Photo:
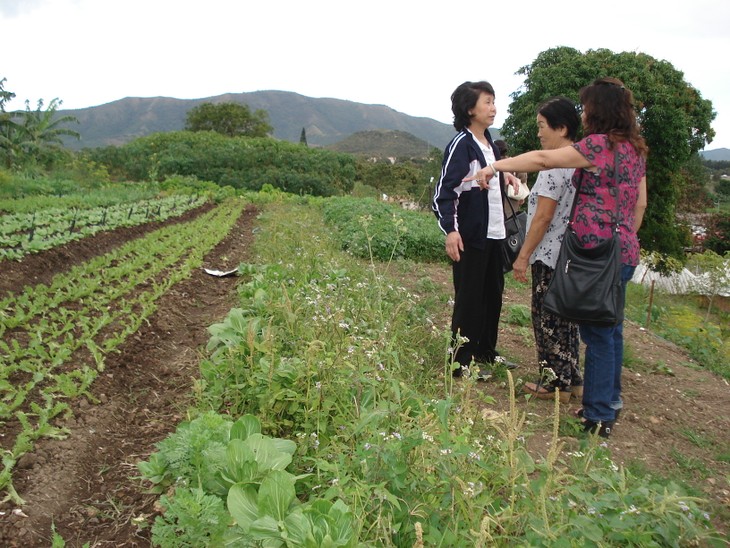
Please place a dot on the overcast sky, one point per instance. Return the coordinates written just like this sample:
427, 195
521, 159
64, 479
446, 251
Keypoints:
406, 54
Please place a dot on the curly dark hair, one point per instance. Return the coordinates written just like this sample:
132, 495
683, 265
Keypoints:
609, 108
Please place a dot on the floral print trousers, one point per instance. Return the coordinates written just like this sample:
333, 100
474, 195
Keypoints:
557, 340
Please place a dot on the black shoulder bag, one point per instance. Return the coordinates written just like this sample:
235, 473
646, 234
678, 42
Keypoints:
586, 285
516, 227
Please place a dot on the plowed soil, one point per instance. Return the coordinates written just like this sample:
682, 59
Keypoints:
83, 484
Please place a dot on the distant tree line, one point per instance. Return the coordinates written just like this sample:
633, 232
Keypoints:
240, 162
719, 172
230, 119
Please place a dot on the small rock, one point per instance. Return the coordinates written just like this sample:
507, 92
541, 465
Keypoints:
27, 461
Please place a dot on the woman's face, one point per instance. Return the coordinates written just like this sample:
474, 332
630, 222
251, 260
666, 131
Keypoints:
549, 138
484, 111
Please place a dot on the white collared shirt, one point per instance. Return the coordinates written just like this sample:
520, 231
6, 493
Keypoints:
495, 229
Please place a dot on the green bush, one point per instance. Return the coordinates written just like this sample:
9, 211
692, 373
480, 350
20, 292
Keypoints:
371, 228
239, 162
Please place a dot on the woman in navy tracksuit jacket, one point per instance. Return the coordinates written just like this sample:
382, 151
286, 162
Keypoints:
473, 221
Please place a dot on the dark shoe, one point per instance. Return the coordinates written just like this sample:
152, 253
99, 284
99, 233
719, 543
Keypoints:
542, 392
579, 414
603, 428
483, 374
500, 360
460, 371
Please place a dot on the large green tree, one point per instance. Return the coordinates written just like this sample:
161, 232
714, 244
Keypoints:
230, 119
675, 121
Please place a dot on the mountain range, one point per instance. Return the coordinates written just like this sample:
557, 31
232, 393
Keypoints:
327, 122
716, 155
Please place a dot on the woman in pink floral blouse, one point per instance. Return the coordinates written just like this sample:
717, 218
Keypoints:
609, 123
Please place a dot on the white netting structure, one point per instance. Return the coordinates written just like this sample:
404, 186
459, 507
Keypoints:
684, 282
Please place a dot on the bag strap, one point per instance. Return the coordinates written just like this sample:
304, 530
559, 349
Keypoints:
514, 214
509, 201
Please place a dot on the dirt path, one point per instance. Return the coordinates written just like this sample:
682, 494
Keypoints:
82, 484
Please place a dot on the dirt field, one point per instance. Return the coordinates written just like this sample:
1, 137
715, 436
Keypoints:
82, 484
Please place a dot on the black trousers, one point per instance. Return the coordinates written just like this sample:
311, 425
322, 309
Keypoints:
478, 288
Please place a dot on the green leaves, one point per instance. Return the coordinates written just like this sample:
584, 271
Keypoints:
275, 517
260, 497
26, 232
370, 228
276, 494
230, 119
192, 518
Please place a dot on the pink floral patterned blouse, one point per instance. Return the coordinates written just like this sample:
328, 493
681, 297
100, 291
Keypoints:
595, 208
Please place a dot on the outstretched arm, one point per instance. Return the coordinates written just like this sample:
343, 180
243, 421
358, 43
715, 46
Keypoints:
536, 160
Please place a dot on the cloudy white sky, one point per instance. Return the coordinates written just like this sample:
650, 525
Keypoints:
406, 54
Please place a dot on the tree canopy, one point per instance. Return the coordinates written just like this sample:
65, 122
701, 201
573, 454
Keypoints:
675, 121
230, 119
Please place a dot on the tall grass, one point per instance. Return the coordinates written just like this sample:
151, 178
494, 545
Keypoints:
332, 353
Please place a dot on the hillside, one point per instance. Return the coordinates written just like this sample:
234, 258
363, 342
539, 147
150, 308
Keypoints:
373, 143
326, 121
717, 155
381, 143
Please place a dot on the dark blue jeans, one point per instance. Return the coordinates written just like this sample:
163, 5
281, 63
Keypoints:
603, 364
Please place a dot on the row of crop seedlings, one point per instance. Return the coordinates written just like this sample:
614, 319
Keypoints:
91, 309
24, 233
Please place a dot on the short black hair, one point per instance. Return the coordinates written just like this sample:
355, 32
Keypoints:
464, 99
561, 112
